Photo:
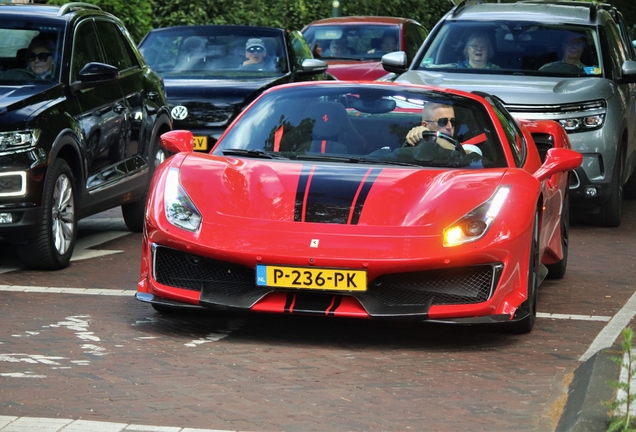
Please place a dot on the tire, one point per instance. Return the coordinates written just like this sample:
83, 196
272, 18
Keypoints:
529, 307
557, 270
629, 190
610, 212
134, 212
53, 246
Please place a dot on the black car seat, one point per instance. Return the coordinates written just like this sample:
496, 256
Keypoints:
332, 130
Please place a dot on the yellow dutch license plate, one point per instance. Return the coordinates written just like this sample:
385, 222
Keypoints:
311, 278
200, 143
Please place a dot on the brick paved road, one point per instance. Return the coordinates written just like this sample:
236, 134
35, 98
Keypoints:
111, 358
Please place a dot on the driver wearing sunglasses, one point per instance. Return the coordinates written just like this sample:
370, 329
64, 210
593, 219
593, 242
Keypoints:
255, 52
437, 118
40, 57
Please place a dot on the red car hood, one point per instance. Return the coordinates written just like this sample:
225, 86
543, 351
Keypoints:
346, 70
344, 194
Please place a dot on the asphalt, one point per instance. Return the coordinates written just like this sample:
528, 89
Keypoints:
584, 410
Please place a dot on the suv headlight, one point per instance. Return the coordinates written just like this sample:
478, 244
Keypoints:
180, 210
582, 121
18, 140
475, 223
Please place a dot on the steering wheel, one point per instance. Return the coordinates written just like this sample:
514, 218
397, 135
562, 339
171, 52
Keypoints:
19, 73
432, 136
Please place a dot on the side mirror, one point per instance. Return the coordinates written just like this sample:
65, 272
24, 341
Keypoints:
94, 73
177, 141
395, 62
313, 67
558, 160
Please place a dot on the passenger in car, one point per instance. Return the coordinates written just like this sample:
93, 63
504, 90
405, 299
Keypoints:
339, 48
40, 57
573, 45
477, 51
387, 45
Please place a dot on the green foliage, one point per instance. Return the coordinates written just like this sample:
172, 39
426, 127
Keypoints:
289, 14
622, 421
135, 14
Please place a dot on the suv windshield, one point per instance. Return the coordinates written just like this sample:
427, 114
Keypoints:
29, 52
518, 47
207, 52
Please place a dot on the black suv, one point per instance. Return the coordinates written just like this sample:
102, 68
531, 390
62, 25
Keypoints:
80, 119
530, 47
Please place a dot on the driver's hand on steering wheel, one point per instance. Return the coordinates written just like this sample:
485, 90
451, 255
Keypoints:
415, 135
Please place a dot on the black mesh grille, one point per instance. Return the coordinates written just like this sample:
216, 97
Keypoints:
544, 143
10, 184
193, 272
463, 285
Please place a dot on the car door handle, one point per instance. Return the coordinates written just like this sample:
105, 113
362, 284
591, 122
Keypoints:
153, 95
119, 108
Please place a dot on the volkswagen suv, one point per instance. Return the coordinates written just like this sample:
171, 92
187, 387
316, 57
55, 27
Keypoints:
593, 100
80, 119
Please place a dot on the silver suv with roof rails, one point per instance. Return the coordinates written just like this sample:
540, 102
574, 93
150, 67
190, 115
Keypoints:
593, 100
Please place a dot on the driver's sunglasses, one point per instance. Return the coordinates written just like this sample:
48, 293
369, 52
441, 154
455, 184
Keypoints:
443, 121
255, 50
43, 56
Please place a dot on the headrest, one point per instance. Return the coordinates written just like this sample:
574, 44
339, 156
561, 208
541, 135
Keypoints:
330, 118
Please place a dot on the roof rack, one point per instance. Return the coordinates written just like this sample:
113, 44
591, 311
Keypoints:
73, 6
464, 3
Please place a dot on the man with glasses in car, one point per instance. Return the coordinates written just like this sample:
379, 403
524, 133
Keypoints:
438, 118
40, 55
255, 54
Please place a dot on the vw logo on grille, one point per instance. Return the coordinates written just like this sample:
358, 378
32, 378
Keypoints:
179, 112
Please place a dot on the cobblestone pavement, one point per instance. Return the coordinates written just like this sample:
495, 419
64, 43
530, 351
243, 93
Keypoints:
76, 347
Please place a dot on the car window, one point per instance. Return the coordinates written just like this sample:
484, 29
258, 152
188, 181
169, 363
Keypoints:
414, 41
617, 54
363, 41
19, 42
514, 137
115, 46
300, 47
85, 48
530, 48
206, 52
344, 125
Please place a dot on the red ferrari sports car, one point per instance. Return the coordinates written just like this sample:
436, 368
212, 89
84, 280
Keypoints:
314, 202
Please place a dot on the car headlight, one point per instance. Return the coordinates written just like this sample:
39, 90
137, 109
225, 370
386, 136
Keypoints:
475, 223
180, 210
581, 124
585, 117
18, 140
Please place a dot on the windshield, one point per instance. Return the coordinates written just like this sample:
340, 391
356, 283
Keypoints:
29, 53
518, 47
365, 124
207, 52
359, 42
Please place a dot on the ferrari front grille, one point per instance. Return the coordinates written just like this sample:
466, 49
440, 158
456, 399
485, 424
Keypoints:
193, 272
460, 285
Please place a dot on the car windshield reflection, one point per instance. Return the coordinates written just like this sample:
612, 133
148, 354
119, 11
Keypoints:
519, 48
349, 124
204, 52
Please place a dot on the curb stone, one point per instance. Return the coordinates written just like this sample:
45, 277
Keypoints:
584, 410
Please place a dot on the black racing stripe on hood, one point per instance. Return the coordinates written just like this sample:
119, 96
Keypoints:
332, 194
364, 192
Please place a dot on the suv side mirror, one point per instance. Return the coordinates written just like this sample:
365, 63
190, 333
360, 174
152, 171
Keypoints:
94, 73
395, 62
313, 67
629, 72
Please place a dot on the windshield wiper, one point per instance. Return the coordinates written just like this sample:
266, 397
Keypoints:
255, 153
